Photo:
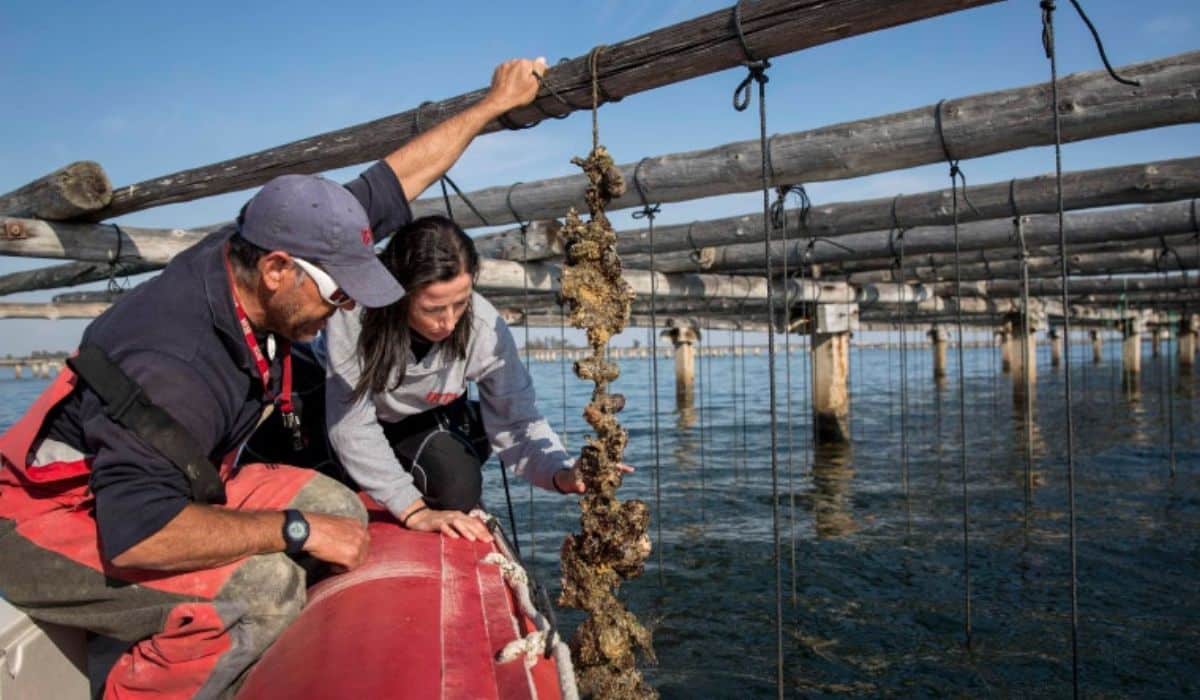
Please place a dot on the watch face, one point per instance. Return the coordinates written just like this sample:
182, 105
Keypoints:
297, 530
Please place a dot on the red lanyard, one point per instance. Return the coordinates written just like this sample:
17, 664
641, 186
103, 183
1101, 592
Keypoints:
290, 420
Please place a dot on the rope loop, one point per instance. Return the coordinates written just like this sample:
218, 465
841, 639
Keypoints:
417, 119
516, 217
956, 174
648, 211
779, 206
461, 195
756, 67
116, 266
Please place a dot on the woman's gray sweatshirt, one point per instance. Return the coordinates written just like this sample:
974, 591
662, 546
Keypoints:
519, 433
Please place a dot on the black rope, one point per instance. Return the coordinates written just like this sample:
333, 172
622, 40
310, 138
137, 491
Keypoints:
117, 266
524, 226
757, 73
903, 313
1047, 7
956, 172
1048, 40
648, 212
562, 365
1027, 404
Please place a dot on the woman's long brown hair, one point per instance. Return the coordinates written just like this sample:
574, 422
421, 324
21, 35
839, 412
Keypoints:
428, 250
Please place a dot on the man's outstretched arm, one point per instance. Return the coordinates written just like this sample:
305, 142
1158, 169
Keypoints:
429, 155
204, 537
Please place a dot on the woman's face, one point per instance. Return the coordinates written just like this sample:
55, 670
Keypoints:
434, 310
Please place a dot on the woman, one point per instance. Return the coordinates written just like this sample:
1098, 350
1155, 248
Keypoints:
398, 416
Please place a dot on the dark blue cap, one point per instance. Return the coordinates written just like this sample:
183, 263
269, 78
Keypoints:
309, 217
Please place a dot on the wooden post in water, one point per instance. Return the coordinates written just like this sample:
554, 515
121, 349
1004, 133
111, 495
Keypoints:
1024, 347
831, 370
938, 339
1097, 348
684, 335
1004, 337
1156, 342
1188, 326
1056, 346
1131, 347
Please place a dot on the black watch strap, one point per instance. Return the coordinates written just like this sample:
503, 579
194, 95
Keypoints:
295, 531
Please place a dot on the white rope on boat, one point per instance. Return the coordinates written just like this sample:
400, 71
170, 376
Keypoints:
533, 644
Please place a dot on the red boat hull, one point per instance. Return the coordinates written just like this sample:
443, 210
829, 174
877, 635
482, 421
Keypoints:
424, 617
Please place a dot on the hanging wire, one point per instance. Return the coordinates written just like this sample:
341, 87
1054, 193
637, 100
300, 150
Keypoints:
757, 72
562, 366
524, 227
957, 174
779, 221
1164, 358
1026, 359
902, 311
648, 212
1047, 7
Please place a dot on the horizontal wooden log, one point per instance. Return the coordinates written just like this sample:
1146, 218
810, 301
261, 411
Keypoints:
1149, 221
1091, 105
77, 189
52, 312
69, 275
88, 242
508, 276
1145, 183
1077, 286
672, 54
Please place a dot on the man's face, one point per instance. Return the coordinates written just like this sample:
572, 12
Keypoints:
295, 309
434, 310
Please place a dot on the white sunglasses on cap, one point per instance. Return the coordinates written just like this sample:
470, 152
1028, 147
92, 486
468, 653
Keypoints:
326, 287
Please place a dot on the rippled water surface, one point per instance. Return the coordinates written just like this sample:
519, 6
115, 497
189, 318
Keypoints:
873, 587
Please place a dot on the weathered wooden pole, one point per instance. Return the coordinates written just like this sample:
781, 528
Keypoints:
684, 335
1091, 105
1144, 183
77, 189
1131, 346
689, 49
1189, 325
1056, 347
1155, 341
1150, 221
831, 372
1097, 347
69, 275
1004, 337
938, 342
16, 371
1023, 355
51, 311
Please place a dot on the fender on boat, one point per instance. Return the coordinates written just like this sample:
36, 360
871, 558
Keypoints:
424, 617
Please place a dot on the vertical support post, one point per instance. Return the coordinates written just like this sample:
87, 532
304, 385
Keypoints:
1004, 337
831, 372
1097, 347
684, 335
938, 338
16, 371
1188, 327
1024, 346
1131, 346
1056, 346
1155, 342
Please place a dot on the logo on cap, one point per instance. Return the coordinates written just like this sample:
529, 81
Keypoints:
367, 238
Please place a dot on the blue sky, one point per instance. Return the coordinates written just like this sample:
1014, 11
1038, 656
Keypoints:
147, 89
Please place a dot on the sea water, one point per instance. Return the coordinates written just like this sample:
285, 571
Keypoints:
873, 587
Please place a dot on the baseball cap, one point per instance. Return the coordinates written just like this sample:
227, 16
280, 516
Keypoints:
309, 217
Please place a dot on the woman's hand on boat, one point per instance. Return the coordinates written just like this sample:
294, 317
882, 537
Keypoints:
571, 480
340, 541
452, 523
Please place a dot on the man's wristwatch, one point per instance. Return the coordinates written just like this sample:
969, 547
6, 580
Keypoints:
295, 531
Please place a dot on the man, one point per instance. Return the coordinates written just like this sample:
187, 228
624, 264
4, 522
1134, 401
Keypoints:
106, 520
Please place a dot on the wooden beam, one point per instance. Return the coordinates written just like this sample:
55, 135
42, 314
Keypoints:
669, 55
71, 191
51, 312
507, 276
93, 242
68, 275
1091, 105
1148, 221
1145, 183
